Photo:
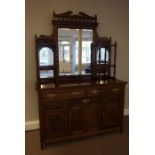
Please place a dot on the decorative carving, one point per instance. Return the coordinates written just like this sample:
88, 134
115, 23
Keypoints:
67, 13
70, 14
69, 19
85, 15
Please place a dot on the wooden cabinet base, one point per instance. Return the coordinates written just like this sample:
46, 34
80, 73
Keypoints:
86, 135
74, 112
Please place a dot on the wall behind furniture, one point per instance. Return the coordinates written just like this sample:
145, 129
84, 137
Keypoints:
112, 16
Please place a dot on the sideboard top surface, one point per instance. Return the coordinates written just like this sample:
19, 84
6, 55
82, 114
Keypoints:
101, 83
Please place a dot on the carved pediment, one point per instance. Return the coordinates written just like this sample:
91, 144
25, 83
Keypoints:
68, 18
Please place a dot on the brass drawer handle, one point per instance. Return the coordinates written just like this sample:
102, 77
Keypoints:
76, 93
115, 89
85, 101
95, 92
51, 95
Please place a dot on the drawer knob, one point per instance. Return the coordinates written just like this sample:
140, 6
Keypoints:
95, 92
85, 101
115, 89
51, 95
76, 93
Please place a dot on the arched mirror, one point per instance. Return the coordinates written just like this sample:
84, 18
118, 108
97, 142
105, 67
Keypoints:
46, 56
102, 56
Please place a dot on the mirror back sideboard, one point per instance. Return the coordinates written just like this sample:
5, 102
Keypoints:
78, 93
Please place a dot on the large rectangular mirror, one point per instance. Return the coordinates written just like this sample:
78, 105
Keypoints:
74, 46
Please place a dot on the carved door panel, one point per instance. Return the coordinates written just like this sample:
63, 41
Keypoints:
76, 117
112, 115
93, 115
56, 123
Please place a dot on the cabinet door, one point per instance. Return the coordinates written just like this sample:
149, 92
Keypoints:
93, 114
112, 115
56, 123
76, 117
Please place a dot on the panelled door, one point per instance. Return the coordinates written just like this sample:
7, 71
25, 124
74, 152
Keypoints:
76, 117
113, 111
93, 110
56, 123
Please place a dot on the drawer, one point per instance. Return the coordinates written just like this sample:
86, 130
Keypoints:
63, 94
55, 104
112, 98
103, 91
82, 101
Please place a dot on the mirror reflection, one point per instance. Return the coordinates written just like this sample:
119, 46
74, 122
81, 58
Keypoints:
45, 56
46, 73
102, 56
74, 51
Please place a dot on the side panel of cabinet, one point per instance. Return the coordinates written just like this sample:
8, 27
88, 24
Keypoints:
56, 123
113, 109
112, 115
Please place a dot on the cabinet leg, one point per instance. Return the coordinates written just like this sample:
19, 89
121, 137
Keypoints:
121, 130
43, 145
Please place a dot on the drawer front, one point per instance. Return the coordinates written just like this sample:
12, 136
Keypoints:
81, 101
103, 91
54, 104
63, 94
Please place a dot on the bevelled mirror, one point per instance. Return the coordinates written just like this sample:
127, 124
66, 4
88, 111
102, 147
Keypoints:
74, 48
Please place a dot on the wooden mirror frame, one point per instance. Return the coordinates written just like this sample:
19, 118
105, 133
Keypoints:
80, 21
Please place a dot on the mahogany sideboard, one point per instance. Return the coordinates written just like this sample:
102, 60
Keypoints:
78, 92
75, 110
